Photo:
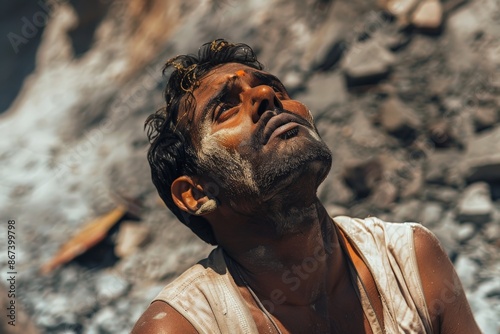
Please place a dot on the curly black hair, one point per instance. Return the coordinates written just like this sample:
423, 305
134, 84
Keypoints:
171, 153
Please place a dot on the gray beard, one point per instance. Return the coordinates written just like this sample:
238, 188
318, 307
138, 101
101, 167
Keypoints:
244, 183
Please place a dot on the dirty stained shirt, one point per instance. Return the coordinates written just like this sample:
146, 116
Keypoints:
207, 296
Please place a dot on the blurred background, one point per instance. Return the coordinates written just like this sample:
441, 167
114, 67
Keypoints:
405, 93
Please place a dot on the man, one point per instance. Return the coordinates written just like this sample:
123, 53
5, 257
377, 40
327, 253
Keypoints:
239, 162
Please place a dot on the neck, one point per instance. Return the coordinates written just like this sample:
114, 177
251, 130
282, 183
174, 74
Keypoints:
295, 267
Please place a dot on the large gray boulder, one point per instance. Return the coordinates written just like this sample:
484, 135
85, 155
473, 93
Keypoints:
482, 159
475, 205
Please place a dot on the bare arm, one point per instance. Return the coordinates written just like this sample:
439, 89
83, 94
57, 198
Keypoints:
446, 301
161, 318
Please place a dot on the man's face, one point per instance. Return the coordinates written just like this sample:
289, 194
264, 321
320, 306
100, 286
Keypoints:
251, 138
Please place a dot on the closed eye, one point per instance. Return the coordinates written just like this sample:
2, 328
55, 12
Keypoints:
222, 108
222, 111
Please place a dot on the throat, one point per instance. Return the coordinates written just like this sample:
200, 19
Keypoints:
295, 270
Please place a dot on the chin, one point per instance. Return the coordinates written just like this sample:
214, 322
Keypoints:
299, 164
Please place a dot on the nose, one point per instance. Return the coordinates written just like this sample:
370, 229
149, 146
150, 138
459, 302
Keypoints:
262, 98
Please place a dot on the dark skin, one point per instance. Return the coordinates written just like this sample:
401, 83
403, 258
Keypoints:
324, 299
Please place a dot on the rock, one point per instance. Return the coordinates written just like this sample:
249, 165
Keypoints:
110, 286
364, 133
326, 47
444, 195
126, 177
485, 316
439, 86
363, 177
323, 91
486, 254
87, 300
57, 314
384, 195
108, 322
367, 63
482, 159
399, 8
131, 236
443, 134
465, 232
491, 232
397, 119
467, 270
441, 167
488, 288
412, 184
484, 118
407, 211
398, 41
463, 22
336, 191
293, 81
332, 56
445, 231
431, 214
428, 16
475, 205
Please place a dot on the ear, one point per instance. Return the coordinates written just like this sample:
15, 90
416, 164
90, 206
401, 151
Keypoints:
189, 196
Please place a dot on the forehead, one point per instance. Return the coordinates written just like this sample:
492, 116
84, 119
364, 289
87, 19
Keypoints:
211, 81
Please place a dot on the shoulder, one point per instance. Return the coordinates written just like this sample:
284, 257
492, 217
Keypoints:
427, 246
162, 318
434, 264
178, 306
447, 304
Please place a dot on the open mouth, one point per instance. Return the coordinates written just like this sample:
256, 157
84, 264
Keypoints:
282, 126
290, 133
285, 131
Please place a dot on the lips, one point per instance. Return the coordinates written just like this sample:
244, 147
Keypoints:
283, 125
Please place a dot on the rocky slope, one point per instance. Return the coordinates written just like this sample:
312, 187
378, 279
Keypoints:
406, 93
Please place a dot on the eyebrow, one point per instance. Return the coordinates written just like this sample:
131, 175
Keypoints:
270, 80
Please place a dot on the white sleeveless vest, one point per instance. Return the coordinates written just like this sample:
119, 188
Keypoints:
207, 296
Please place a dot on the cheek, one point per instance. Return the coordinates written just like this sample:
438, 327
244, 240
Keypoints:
232, 137
299, 109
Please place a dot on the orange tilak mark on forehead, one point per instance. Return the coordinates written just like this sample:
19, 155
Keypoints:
240, 73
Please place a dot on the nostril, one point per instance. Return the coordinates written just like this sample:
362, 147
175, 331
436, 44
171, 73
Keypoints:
277, 103
263, 107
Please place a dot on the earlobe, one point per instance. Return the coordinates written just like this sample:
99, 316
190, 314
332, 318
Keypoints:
190, 197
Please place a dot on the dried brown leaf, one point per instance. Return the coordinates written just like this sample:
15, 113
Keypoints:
91, 234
